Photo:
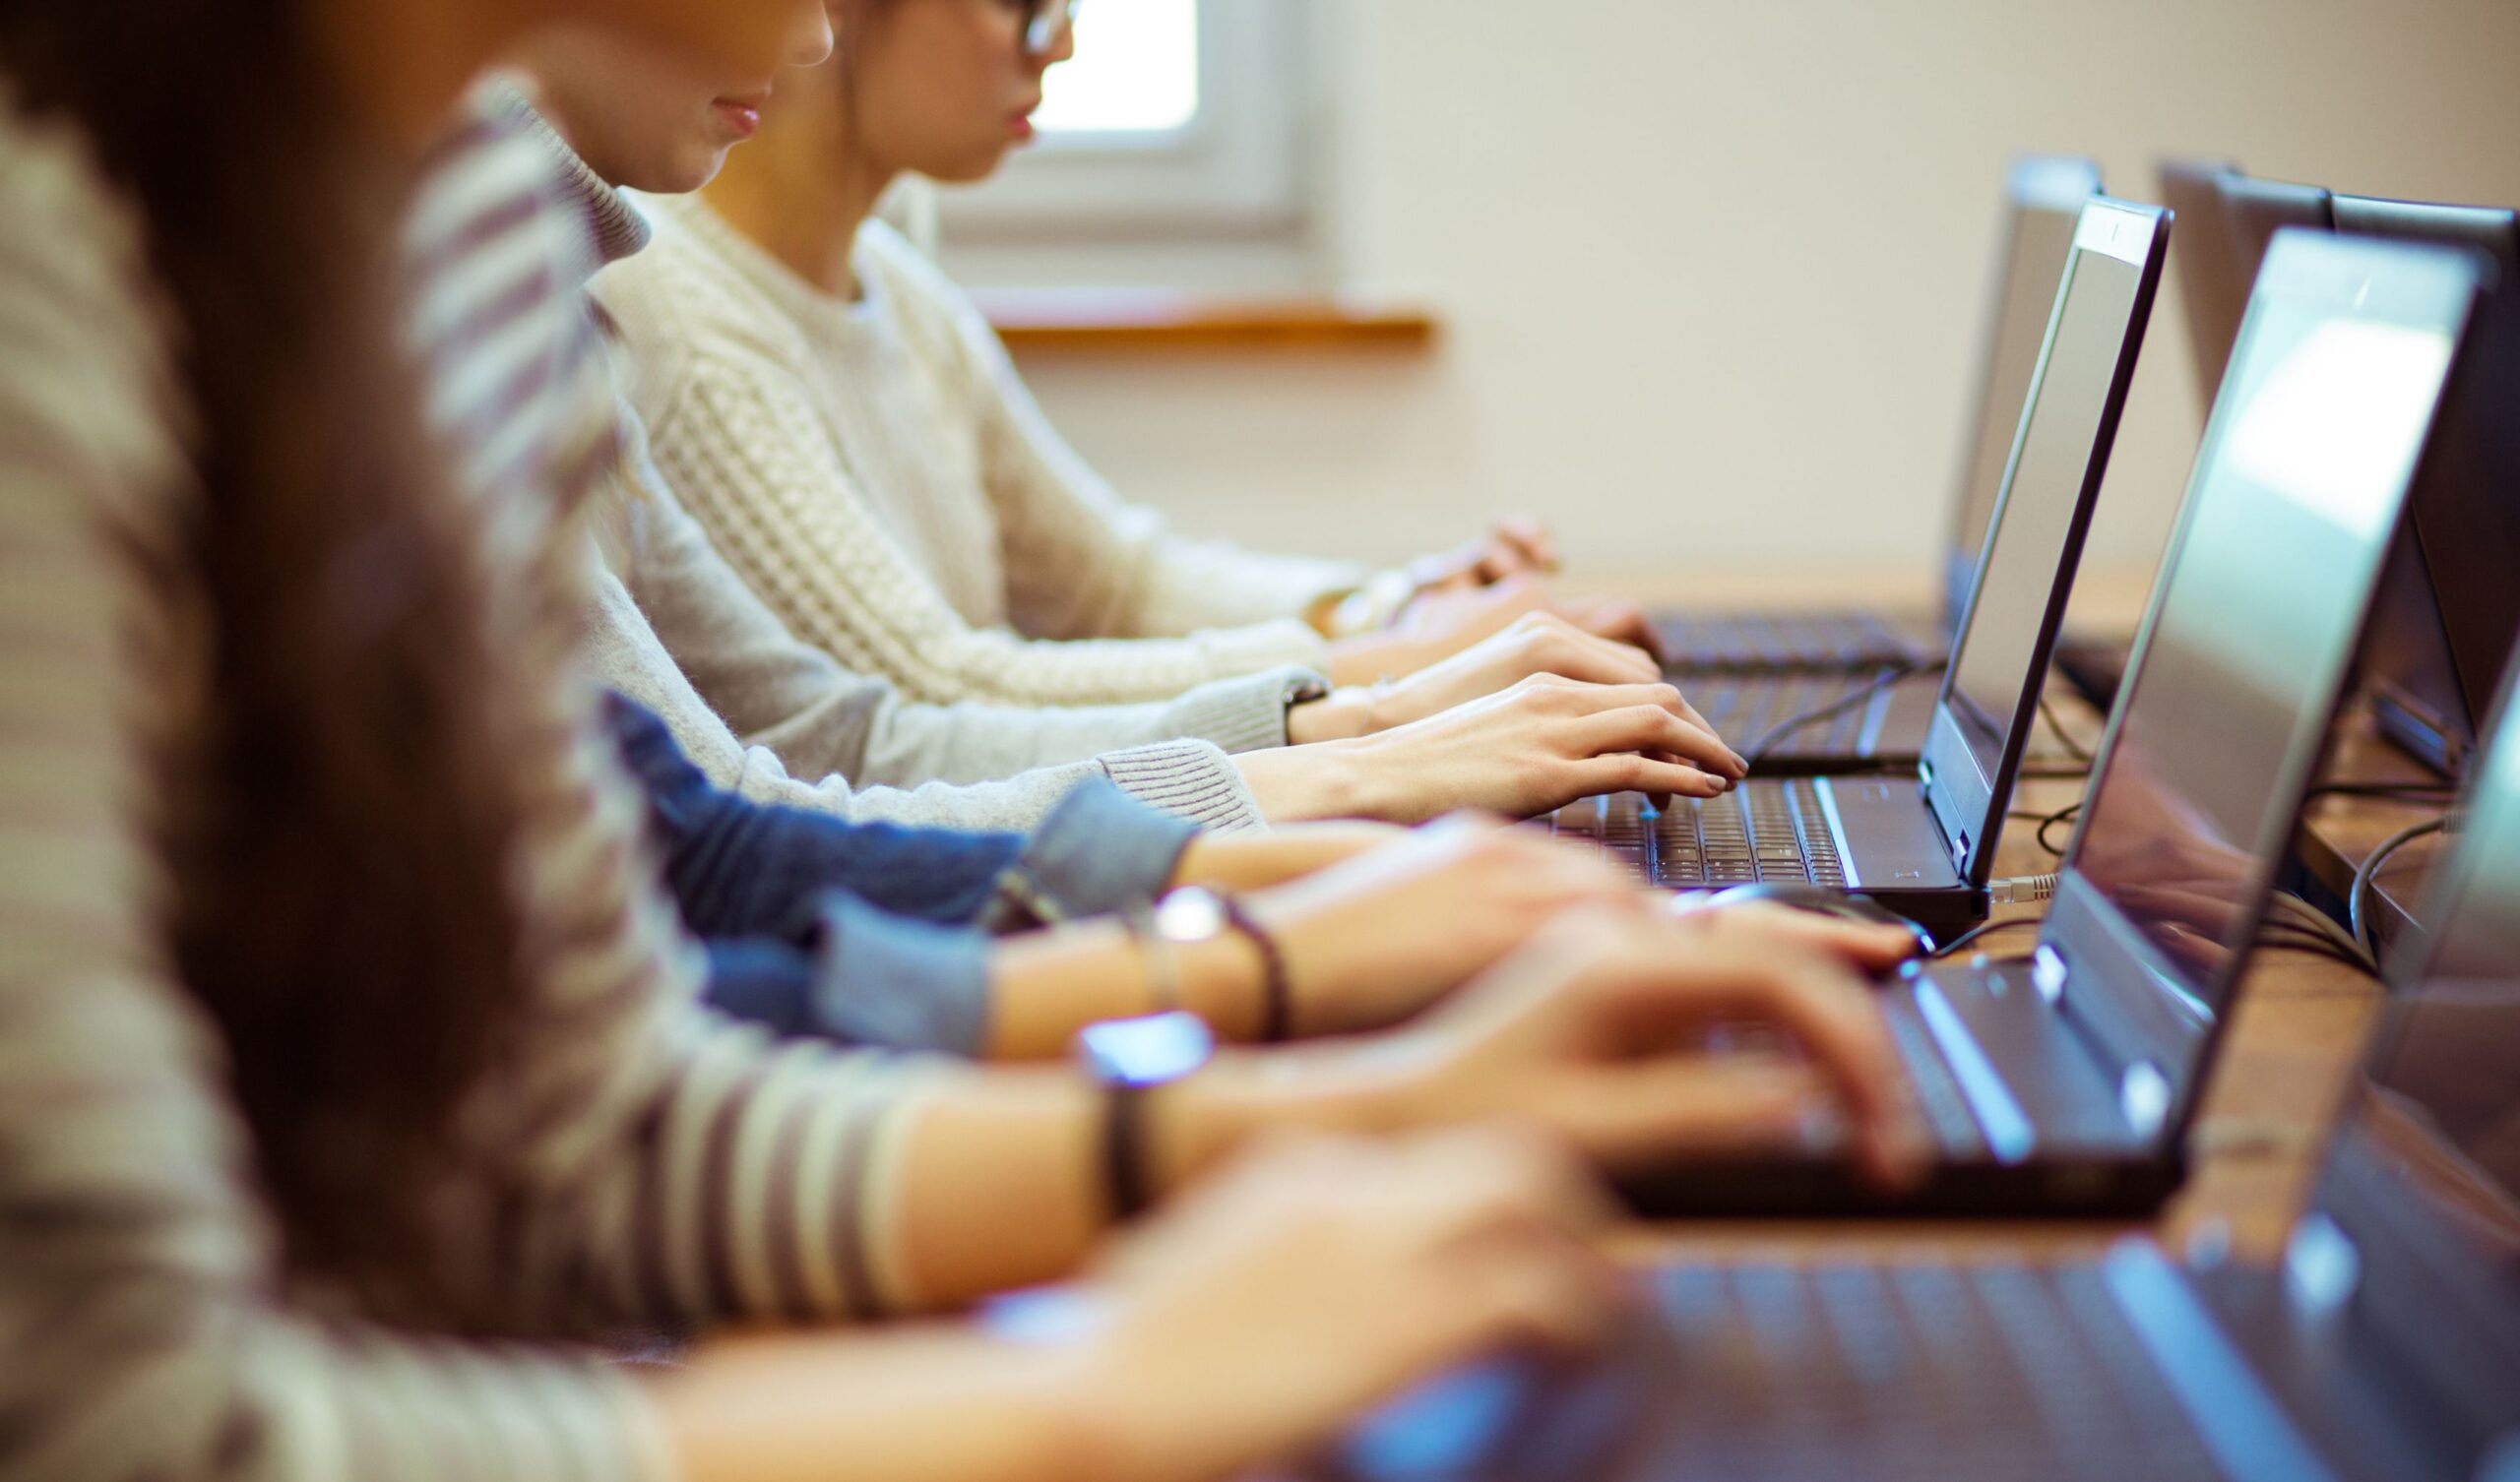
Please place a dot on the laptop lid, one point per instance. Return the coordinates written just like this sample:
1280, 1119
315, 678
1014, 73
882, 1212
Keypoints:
2450, 613
2212, 291
2043, 195
2262, 598
2411, 1252
2052, 480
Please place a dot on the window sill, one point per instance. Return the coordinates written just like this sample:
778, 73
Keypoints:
1156, 321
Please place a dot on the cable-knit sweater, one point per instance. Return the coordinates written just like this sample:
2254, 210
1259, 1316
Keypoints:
877, 473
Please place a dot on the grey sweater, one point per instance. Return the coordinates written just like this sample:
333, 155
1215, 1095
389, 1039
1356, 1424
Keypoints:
779, 721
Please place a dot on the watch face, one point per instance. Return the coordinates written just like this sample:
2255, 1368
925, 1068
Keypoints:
1150, 1050
1190, 915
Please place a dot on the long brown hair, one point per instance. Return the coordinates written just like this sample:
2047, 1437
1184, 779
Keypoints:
341, 823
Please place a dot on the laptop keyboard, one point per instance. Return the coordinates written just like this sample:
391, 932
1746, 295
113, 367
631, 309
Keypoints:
1781, 641
1995, 1371
1761, 830
1744, 709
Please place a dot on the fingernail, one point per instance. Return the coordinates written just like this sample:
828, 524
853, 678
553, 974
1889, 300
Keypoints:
1739, 762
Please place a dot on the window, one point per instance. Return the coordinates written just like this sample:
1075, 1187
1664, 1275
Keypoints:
1177, 120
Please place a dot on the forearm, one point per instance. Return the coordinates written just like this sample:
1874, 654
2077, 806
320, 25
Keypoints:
1255, 862
1001, 1182
931, 1405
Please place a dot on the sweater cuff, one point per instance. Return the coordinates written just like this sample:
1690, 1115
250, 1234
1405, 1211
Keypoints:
1098, 852
900, 984
1264, 645
1247, 713
1192, 779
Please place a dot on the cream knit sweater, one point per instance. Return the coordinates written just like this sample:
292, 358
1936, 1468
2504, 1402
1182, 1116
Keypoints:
877, 471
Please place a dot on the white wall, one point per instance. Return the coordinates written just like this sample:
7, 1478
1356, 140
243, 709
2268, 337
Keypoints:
1711, 273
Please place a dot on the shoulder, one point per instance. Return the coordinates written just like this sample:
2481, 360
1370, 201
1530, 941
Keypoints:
87, 368
938, 317
685, 313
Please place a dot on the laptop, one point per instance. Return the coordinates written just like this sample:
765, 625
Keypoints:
1748, 672
1923, 845
2060, 1083
2382, 1346
2450, 611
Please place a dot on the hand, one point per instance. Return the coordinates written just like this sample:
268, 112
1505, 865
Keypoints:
1537, 745
1597, 1032
1437, 625
1513, 546
1373, 941
1867, 947
1319, 1277
1533, 645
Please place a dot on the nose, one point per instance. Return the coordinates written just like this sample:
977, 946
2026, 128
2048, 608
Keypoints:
810, 42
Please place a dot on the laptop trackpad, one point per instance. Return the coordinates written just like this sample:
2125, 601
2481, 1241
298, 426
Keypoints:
1891, 837
2043, 1067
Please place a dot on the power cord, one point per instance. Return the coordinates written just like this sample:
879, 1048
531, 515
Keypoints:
2073, 748
1982, 929
1767, 742
2356, 912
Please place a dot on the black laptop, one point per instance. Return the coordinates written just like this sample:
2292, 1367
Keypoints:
2450, 610
2061, 1083
1923, 843
2382, 1346
1748, 672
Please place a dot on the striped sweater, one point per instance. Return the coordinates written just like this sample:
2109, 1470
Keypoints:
645, 1165
879, 474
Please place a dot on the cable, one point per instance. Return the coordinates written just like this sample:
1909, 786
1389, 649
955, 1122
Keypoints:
2287, 911
2065, 815
1983, 929
2022, 889
1759, 748
2371, 871
2073, 748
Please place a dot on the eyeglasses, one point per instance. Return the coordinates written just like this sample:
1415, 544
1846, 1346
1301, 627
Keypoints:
1044, 21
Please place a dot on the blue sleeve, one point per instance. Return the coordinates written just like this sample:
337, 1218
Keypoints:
745, 869
865, 978
741, 869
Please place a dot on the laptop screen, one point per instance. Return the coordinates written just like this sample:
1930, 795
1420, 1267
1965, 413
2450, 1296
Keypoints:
2047, 195
2295, 496
2444, 1078
1998, 660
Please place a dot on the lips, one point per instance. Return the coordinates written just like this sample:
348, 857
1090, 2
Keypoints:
741, 115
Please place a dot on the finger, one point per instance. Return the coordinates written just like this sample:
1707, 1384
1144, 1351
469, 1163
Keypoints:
1532, 536
1832, 1014
1874, 947
1624, 621
1658, 1114
1652, 729
1539, 1290
1472, 1179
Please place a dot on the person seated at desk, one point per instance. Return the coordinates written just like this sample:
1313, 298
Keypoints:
353, 1093
849, 431
679, 632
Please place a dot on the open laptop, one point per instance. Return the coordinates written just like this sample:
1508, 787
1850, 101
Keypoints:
1749, 672
2061, 1083
1923, 844
2450, 611
2382, 1346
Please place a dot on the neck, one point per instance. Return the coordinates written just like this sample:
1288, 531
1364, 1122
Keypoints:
800, 191
404, 62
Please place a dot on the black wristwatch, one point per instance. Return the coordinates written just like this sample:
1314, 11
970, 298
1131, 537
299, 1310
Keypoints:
1131, 1058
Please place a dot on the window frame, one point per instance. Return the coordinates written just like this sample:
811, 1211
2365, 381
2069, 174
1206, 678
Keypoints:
1241, 168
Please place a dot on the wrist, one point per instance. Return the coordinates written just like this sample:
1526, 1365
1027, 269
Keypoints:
1342, 714
1202, 1120
1303, 784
